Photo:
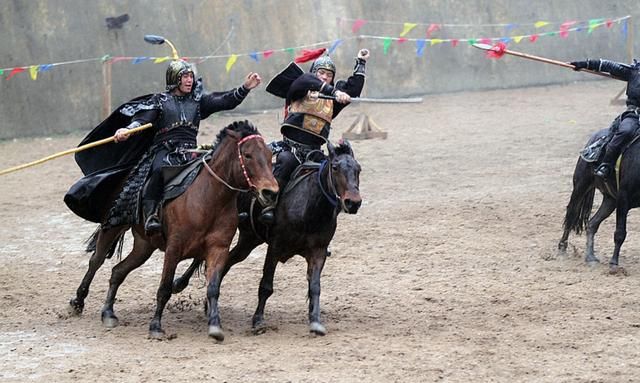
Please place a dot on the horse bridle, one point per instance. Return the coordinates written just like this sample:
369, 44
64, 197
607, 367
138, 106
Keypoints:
242, 165
333, 200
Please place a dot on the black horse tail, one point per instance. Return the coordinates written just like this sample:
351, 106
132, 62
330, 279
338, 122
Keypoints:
581, 201
116, 246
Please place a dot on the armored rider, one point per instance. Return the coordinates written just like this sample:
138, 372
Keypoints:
628, 125
175, 114
308, 117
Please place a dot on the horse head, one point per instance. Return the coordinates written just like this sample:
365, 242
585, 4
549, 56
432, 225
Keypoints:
345, 173
254, 168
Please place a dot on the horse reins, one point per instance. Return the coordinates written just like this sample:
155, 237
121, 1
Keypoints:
333, 200
242, 165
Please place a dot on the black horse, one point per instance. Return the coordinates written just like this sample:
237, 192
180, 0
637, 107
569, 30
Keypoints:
620, 193
305, 222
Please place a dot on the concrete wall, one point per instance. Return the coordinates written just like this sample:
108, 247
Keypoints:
69, 98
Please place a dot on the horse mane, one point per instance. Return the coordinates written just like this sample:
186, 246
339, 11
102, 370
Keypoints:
245, 128
343, 148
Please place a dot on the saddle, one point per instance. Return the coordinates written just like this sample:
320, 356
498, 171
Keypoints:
126, 209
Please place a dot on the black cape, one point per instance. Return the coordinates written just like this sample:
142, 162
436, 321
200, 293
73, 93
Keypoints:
106, 166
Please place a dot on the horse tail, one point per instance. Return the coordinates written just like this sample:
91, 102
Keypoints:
581, 201
116, 246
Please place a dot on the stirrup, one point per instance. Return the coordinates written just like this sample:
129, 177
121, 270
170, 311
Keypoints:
152, 224
603, 171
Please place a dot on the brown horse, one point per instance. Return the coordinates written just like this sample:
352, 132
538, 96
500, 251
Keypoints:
198, 224
306, 220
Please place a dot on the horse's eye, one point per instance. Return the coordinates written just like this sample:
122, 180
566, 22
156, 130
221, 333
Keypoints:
334, 167
248, 156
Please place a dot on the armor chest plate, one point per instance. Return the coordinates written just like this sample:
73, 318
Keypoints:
179, 111
317, 113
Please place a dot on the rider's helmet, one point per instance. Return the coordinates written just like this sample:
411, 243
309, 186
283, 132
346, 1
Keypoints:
323, 62
175, 70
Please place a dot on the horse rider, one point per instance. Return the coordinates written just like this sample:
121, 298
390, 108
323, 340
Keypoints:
308, 117
628, 126
175, 114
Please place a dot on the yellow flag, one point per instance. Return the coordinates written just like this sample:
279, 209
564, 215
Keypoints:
33, 71
436, 41
540, 24
407, 28
231, 61
517, 38
159, 60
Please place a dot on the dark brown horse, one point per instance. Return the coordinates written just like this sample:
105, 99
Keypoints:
198, 224
305, 222
617, 196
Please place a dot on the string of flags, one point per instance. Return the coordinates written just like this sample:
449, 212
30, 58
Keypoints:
561, 29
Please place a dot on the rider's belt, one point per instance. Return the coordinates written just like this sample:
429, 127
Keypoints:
298, 145
186, 124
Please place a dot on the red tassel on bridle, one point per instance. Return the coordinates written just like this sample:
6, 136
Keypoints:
309, 54
497, 51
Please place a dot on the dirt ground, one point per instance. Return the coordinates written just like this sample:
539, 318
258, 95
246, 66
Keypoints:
448, 272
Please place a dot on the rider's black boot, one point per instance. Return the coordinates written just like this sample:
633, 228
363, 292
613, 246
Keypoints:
152, 221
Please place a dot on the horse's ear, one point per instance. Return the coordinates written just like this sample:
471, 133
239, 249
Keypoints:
347, 146
233, 133
331, 148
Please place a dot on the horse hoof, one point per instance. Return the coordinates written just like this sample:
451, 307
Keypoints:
259, 328
617, 270
216, 333
317, 328
110, 322
75, 308
592, 262
156, 334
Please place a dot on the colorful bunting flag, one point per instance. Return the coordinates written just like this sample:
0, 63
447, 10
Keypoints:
232, 60
533, 38
357, 25
335, 45
402, 40
159, 60
407, 28
540, 24
517, 38
454, 42
432, 28
33, 72
420, 44
254, 56
138, 60
267, 53
14, 72
436, 41
387, 44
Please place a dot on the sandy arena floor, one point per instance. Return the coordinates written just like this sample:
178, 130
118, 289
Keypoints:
449, 272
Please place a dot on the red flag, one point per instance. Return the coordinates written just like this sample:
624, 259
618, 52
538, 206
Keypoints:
533, 38
609, 23
309, 54
497, 50
357, 25
267, 53
454, 42
14, 72
401, 40
432, 28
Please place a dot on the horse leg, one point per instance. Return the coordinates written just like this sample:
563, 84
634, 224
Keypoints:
164, 293
240, 252
216, 261
104, 242
315, 264
264, 291
182, 282
622, 209
141, 252
606, 208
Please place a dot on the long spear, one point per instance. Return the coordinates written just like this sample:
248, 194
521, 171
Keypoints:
74, 150
500, 49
